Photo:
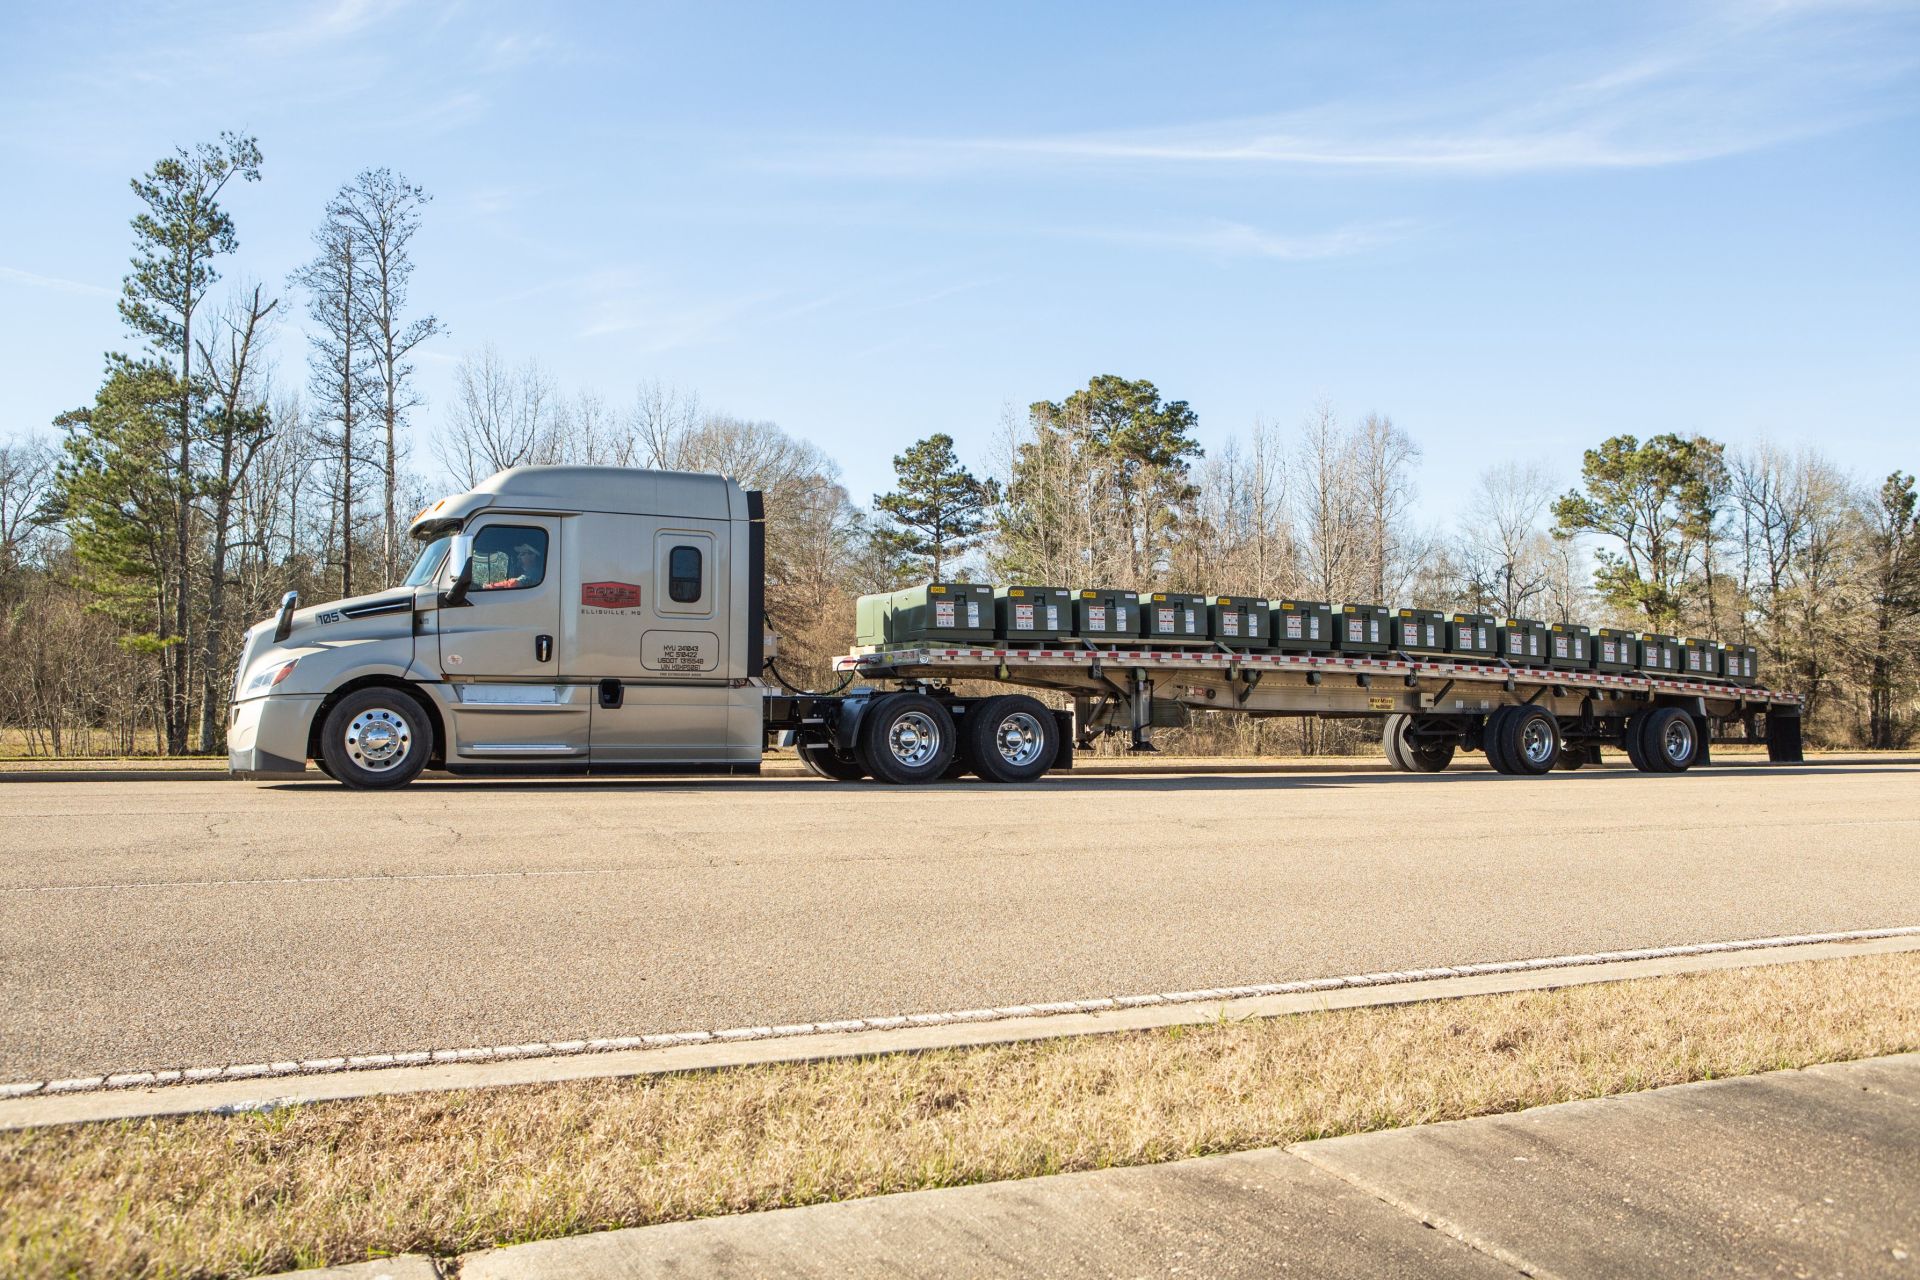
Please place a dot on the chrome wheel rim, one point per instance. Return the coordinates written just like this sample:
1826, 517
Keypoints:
914, 739
1536, 741
379, 739
1677, 741
1019, 738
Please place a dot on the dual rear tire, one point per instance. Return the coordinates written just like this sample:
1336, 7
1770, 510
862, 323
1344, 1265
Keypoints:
910, 738
1409, 752
1663, 740
1522, 740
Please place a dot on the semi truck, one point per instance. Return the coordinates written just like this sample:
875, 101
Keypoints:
568, 619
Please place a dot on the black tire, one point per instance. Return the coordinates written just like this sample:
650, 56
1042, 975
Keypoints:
1533, 741
822, 761
1636, 754
1390, 742
1411, 755
1493, 740
957, 770
906, 738
376, 738
1571, 758
321, 765
1012, 738
1670, 741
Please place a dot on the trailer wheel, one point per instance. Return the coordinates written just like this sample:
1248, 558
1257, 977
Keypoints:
1571, 758
1390, 742
1528, 740
1494, 740
1670, 741
1012, 738
376, 738
1408, 754
822, 761
906, 738
1636, 753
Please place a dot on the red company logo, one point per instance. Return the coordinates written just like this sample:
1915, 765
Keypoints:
609, 595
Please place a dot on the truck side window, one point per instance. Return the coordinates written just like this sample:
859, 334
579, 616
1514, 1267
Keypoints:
509, 557
683, 575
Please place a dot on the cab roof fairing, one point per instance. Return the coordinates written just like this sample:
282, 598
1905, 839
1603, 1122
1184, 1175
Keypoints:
565, 489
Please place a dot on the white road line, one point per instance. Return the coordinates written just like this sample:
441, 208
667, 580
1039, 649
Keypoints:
149, 1078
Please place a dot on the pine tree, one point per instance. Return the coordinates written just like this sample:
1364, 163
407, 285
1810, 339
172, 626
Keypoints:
939, 506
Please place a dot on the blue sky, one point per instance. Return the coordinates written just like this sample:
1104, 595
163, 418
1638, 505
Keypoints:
1516, 229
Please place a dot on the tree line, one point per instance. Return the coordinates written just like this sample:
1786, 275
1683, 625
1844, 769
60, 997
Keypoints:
174, 507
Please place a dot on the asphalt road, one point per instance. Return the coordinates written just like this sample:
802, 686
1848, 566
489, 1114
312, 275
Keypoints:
146, 925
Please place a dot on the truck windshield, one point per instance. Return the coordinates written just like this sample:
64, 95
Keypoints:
427, 567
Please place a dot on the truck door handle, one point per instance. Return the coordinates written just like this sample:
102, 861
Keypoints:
542, 648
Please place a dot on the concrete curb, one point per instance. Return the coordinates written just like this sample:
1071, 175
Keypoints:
264, 1086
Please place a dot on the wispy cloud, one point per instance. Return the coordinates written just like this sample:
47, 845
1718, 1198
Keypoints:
1238, 240
55, 283
1741, 79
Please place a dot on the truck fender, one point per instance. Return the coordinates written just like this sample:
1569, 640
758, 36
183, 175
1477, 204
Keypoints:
846, 725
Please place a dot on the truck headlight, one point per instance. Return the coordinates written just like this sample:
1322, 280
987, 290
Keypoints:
272, 676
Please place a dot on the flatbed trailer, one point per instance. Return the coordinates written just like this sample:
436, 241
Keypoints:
1528, 720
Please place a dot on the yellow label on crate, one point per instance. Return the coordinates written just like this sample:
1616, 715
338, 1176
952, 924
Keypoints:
1015, 591
1159, 596
1379, 704
938, 591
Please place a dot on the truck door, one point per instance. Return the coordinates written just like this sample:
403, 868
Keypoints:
677, 709
499, 649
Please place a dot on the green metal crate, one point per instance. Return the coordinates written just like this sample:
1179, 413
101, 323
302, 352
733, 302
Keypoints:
1239, 622
1616, 651
1521, 641
1363, 628
1570, 647
1700, 658
1659, 654
1174, 615
937, 613
1301, 626
1104, 614
1420, 631
1740, 663
1032, 613
1470, 635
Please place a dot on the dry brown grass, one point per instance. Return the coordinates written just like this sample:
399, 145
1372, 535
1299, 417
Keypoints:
445, 1173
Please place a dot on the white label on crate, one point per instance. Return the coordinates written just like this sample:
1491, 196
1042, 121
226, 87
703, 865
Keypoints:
1166, 619
1409, 635
973, 613
1354, 629
943, 613
1096, 617
1120, 618
1191, 629
1023, 617
1560, 646
1230, 623
1053, 617
1313, 627
1293, 626
1433, 635
1373, 630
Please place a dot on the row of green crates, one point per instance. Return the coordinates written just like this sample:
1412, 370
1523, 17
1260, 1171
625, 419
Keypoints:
975, 613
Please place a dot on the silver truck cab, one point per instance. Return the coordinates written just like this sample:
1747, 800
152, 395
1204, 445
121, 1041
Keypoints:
556, 618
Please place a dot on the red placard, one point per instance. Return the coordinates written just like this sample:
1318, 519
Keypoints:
610, 595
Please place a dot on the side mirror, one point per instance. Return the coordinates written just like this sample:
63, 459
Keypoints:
283, 624
455, 596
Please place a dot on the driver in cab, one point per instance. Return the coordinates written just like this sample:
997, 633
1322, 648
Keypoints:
528, 566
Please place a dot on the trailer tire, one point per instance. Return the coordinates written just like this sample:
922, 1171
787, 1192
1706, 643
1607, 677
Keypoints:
1528, 739
1011, 738
1670, 741
822, 761
906, 738
1636, 754
1494, 740
1410, 756
376, 738
1390, 732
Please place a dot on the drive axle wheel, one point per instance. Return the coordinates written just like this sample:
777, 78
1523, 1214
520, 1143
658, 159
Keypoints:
1012, 738
1523, 740
906, 738
822, 761
376, 738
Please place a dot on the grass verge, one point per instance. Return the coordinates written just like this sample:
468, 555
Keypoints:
446, 1173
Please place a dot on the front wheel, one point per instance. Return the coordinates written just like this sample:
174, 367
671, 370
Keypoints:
376, 738
822, 761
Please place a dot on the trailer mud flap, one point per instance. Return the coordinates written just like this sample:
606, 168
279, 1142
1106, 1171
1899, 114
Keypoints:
1063, 753
1783, 739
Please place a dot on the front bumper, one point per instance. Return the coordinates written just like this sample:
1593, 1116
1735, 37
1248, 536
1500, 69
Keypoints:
267, 737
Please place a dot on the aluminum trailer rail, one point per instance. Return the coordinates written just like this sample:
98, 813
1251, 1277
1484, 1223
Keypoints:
1434, 705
